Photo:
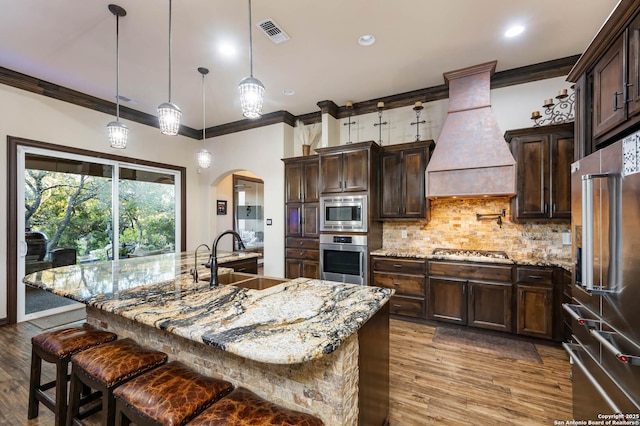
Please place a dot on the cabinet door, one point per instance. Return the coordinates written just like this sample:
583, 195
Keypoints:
293, 182
532, 181
608, 80
310, 220
447, 300
490, 306
560, 175
311, 269
391, 197
293, 220
310, 178
293, 268
331, 173
355, 171
633, 68
535, 311
415, 163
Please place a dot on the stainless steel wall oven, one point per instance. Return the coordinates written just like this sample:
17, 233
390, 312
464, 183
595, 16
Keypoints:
343, 258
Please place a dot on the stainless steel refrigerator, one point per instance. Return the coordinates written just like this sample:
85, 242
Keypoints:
605, 310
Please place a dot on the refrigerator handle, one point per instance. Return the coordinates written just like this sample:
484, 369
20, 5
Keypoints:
587, 232
571, 348
574, 312
604, 337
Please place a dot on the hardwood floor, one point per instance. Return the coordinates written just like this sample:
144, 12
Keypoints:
431, 383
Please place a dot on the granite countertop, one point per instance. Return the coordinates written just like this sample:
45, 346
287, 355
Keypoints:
565, 264
292, 322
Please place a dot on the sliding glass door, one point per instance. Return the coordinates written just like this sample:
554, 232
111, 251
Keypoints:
79, 209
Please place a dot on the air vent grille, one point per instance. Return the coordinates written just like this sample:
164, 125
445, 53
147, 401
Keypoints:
273, 31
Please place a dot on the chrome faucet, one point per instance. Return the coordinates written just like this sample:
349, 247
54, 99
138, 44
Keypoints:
213, 260
194, 271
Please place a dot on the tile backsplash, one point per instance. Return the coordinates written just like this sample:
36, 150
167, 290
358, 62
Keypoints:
453, 224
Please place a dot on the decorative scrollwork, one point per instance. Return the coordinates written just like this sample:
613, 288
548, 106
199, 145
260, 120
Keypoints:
556, 113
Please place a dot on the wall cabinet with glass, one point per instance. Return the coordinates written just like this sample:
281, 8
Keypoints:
248, 202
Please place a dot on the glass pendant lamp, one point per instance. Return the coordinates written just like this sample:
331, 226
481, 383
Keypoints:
251, 89
168, 113
204, 156
117, 131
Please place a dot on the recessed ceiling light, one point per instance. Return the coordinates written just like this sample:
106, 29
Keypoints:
514, 31
366, 40
288, 92
227, 50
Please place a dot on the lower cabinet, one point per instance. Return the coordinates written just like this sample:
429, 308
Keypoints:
249, 266
302, 258
407, 276
535, 301
478, 295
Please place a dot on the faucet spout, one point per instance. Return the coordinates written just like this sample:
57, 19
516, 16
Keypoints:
194, 272
213, 259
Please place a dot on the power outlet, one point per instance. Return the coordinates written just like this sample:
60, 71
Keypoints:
566, 238
403, 233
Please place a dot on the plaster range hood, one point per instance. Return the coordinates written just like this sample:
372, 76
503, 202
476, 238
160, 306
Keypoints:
471, 158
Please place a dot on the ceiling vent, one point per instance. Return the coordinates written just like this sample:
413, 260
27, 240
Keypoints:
273, 31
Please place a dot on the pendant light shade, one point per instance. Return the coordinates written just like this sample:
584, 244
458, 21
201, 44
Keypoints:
116, 130
251, 89
168, 113
204, 156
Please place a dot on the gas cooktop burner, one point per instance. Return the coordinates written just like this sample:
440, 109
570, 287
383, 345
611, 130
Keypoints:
470, 253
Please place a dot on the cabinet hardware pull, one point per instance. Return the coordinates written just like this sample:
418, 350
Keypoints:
396, 284
241, 270
396, 265
615, 100
521, 295
535, 277
301, 242
301, 253
626, 96
546, 208
395, 305
554, 207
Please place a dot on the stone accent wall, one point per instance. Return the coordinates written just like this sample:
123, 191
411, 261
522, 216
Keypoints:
453, 224
326, 387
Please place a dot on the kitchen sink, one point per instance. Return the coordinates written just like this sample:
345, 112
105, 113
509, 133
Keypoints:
250, 281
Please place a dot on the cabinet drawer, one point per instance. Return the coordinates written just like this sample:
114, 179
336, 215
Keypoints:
399, 265
244, 265
499, 273
540, 276
407, 307
302, 254
413, 285
302, 243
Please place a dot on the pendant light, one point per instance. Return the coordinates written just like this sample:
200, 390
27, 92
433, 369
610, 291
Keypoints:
204, 156
116, 130
168, 113
251, 89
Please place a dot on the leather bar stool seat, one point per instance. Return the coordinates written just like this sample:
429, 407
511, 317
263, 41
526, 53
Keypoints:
168, 395
57, 347
106, 367
244, 408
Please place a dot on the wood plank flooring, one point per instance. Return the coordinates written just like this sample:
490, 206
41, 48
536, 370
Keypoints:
431, 383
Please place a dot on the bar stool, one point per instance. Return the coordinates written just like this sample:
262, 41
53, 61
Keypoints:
57, 347
168, 395
104, 368
244, 408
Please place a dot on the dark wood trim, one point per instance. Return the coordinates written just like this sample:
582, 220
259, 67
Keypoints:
564, 127
612, 28
51, 90
526, 74
12, 204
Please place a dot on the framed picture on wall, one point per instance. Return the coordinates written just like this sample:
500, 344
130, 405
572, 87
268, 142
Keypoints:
222, 207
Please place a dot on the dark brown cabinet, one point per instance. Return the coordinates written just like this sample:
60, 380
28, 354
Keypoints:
607, 78
407, 276
535, 301
478, 295
302, 219
402, 191
345, 171
249, 265
544, 156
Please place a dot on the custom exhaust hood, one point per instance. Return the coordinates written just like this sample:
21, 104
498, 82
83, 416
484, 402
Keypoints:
471, 157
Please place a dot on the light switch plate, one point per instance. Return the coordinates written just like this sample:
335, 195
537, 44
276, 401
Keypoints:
404, 233
269, 222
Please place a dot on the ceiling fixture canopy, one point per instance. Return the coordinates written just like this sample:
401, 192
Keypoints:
118, 132
168, 113
251, 89
204, 156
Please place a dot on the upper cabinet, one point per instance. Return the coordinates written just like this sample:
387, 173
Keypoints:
544, 156
402, 189
607, 78
301, 180
345, 168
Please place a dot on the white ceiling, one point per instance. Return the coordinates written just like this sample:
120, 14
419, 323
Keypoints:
72, 43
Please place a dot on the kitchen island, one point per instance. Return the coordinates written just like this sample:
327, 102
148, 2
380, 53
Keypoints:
310, 345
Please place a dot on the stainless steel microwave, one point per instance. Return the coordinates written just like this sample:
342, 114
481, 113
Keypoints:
344, 213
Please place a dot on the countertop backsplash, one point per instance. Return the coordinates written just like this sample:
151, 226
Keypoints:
453, 224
